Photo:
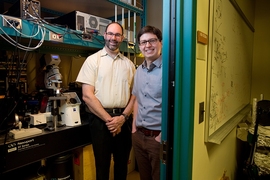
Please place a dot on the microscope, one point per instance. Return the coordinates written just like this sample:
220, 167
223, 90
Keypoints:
53, 80
57, 109
69, 101
53, 77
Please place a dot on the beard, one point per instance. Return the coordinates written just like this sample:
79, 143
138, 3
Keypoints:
112, 45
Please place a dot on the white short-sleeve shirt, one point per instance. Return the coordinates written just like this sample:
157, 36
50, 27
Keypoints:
111, 77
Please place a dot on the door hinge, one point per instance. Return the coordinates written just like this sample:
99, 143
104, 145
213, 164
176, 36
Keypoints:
163, 151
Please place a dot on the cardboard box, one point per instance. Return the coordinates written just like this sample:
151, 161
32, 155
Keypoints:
84, 163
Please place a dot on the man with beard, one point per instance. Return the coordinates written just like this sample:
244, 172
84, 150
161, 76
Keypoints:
107, 78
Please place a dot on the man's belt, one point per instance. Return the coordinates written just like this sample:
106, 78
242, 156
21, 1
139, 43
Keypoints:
114, 110
148, 132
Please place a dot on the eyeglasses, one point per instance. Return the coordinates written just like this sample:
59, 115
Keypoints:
152, 41
117, 35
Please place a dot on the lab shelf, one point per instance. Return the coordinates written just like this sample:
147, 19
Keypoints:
58, 39
127, 6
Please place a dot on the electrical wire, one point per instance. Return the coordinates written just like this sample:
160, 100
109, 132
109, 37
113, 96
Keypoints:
41, 29
67, 30
15, 43
22, 64
20, 46
38, 28
41, 24
11, 25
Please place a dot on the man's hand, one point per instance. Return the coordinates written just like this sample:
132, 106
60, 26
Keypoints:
117, 132
115, 123
158, 138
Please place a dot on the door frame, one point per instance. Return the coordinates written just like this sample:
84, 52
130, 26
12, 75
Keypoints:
178, 88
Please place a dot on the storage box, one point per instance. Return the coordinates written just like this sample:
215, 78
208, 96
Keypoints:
84, 163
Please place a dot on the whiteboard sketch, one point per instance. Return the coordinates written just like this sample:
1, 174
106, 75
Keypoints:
229, 69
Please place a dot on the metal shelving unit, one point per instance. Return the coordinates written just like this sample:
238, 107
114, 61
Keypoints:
58, 39
12, 71
71, 41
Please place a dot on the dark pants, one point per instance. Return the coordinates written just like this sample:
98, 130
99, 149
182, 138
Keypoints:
146, 150
104, 145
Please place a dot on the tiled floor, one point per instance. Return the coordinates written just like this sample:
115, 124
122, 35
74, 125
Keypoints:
134, 175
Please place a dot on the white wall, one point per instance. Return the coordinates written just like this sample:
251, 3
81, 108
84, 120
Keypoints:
261, 53
209, 160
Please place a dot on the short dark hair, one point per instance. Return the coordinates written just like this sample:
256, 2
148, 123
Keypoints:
115, 23
150, 29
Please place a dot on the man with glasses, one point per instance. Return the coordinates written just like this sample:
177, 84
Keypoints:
107, 78
146, 129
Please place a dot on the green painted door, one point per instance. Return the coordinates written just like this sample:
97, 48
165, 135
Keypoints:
178, 87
